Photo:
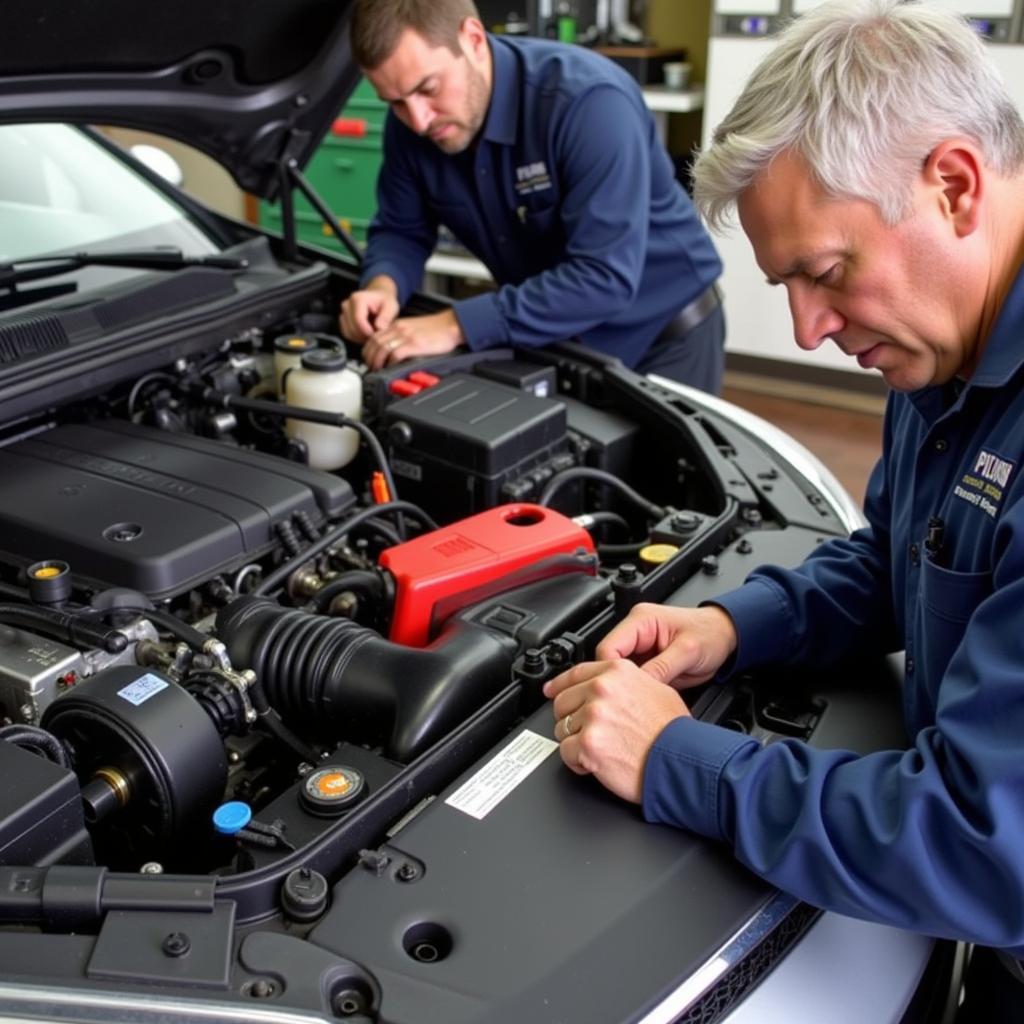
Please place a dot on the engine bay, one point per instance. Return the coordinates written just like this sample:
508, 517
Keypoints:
261, 607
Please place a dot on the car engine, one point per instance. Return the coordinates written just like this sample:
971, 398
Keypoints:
260, 605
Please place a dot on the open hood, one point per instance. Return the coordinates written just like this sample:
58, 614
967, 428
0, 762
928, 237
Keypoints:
248, 82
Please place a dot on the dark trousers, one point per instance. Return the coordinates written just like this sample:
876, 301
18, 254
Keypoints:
695, 357
992, 995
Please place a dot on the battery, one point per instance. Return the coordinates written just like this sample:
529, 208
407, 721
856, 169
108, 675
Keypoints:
454, 445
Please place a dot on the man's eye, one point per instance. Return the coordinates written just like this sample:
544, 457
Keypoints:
829, 276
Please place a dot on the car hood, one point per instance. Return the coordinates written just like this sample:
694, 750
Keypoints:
248, 82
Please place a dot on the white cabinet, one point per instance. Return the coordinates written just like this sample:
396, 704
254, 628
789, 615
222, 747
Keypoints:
747, 6
757, 316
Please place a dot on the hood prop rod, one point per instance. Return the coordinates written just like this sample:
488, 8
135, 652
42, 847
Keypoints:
292, 178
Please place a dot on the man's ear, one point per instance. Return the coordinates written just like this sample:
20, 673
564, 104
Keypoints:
473, 37
956, 170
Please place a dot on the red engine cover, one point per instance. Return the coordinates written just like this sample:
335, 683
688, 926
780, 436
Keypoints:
439, 573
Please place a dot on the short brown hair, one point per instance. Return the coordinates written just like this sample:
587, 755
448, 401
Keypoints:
378, 24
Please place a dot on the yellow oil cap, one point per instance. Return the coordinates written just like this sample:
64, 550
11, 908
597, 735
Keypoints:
655, 554
49, 582
48, 572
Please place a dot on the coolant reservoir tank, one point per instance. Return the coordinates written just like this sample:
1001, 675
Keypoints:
324, 382
442, 572
288, 352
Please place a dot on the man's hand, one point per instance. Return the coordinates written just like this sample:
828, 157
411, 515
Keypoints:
609, 712
680, 646
607, 716
368, 311
410, 337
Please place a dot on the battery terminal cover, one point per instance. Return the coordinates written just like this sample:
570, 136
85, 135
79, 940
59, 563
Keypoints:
446, 570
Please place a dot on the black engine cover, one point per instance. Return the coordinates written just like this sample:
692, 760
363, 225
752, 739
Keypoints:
136, 507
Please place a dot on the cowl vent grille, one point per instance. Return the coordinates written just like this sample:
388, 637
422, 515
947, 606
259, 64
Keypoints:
32, 335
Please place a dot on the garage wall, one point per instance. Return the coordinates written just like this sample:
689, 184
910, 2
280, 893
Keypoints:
675, 23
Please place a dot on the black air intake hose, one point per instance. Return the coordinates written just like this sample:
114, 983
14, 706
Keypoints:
316, 669
71, 626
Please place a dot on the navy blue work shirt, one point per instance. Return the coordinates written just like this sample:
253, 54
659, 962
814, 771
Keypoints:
567, 196
931, 838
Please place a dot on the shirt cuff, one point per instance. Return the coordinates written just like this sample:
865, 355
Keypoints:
683, 773
763, 621
482, 324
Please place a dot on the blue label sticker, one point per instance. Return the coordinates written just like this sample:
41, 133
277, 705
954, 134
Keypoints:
142, 689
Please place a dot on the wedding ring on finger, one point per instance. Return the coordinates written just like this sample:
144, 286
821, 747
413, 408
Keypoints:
567, 725
392, 343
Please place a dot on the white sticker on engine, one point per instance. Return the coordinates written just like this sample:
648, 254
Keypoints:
142, 689
478, 796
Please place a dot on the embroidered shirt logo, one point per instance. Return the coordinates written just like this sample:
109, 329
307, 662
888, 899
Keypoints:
985, 485
532, 178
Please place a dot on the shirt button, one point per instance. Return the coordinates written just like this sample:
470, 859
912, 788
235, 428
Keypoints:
915, 555
910, 666
941, 444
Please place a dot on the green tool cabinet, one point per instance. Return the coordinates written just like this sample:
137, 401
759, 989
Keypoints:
343, 171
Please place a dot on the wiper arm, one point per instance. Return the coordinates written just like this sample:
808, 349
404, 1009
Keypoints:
39, 267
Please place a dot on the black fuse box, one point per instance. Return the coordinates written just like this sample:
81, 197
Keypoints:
454, 445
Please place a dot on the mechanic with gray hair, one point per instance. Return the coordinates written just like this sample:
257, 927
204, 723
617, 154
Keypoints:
543, 160
876, 163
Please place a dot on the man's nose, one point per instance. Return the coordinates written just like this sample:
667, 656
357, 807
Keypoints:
814, 318
420, 114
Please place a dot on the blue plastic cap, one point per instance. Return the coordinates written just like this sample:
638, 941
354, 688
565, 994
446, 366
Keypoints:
232, 816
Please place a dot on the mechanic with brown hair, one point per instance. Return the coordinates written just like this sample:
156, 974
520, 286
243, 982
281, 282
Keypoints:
544, 161
876, 162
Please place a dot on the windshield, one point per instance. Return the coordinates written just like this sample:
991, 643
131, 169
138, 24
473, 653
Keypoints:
61, 192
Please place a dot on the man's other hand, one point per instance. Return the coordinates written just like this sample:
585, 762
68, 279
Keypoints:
412, 337
368, 311
680, 646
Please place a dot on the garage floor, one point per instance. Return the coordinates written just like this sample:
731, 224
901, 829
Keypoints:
849, 443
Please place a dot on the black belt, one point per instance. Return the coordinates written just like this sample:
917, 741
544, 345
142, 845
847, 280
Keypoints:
693, 313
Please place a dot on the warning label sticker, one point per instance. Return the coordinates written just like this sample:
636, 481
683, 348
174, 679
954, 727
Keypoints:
479, 795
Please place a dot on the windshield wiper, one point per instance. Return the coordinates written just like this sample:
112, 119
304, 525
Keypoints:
18, 272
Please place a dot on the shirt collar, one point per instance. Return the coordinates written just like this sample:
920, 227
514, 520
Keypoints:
503, 115
1004, 350
1002, 358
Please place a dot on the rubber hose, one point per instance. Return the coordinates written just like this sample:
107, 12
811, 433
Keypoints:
37, 740
321, 670
283, 571
74, 627
558, 481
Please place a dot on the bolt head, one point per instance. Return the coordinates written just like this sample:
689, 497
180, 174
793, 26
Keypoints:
176, 944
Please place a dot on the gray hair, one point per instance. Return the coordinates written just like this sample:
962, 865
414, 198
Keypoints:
862, 90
